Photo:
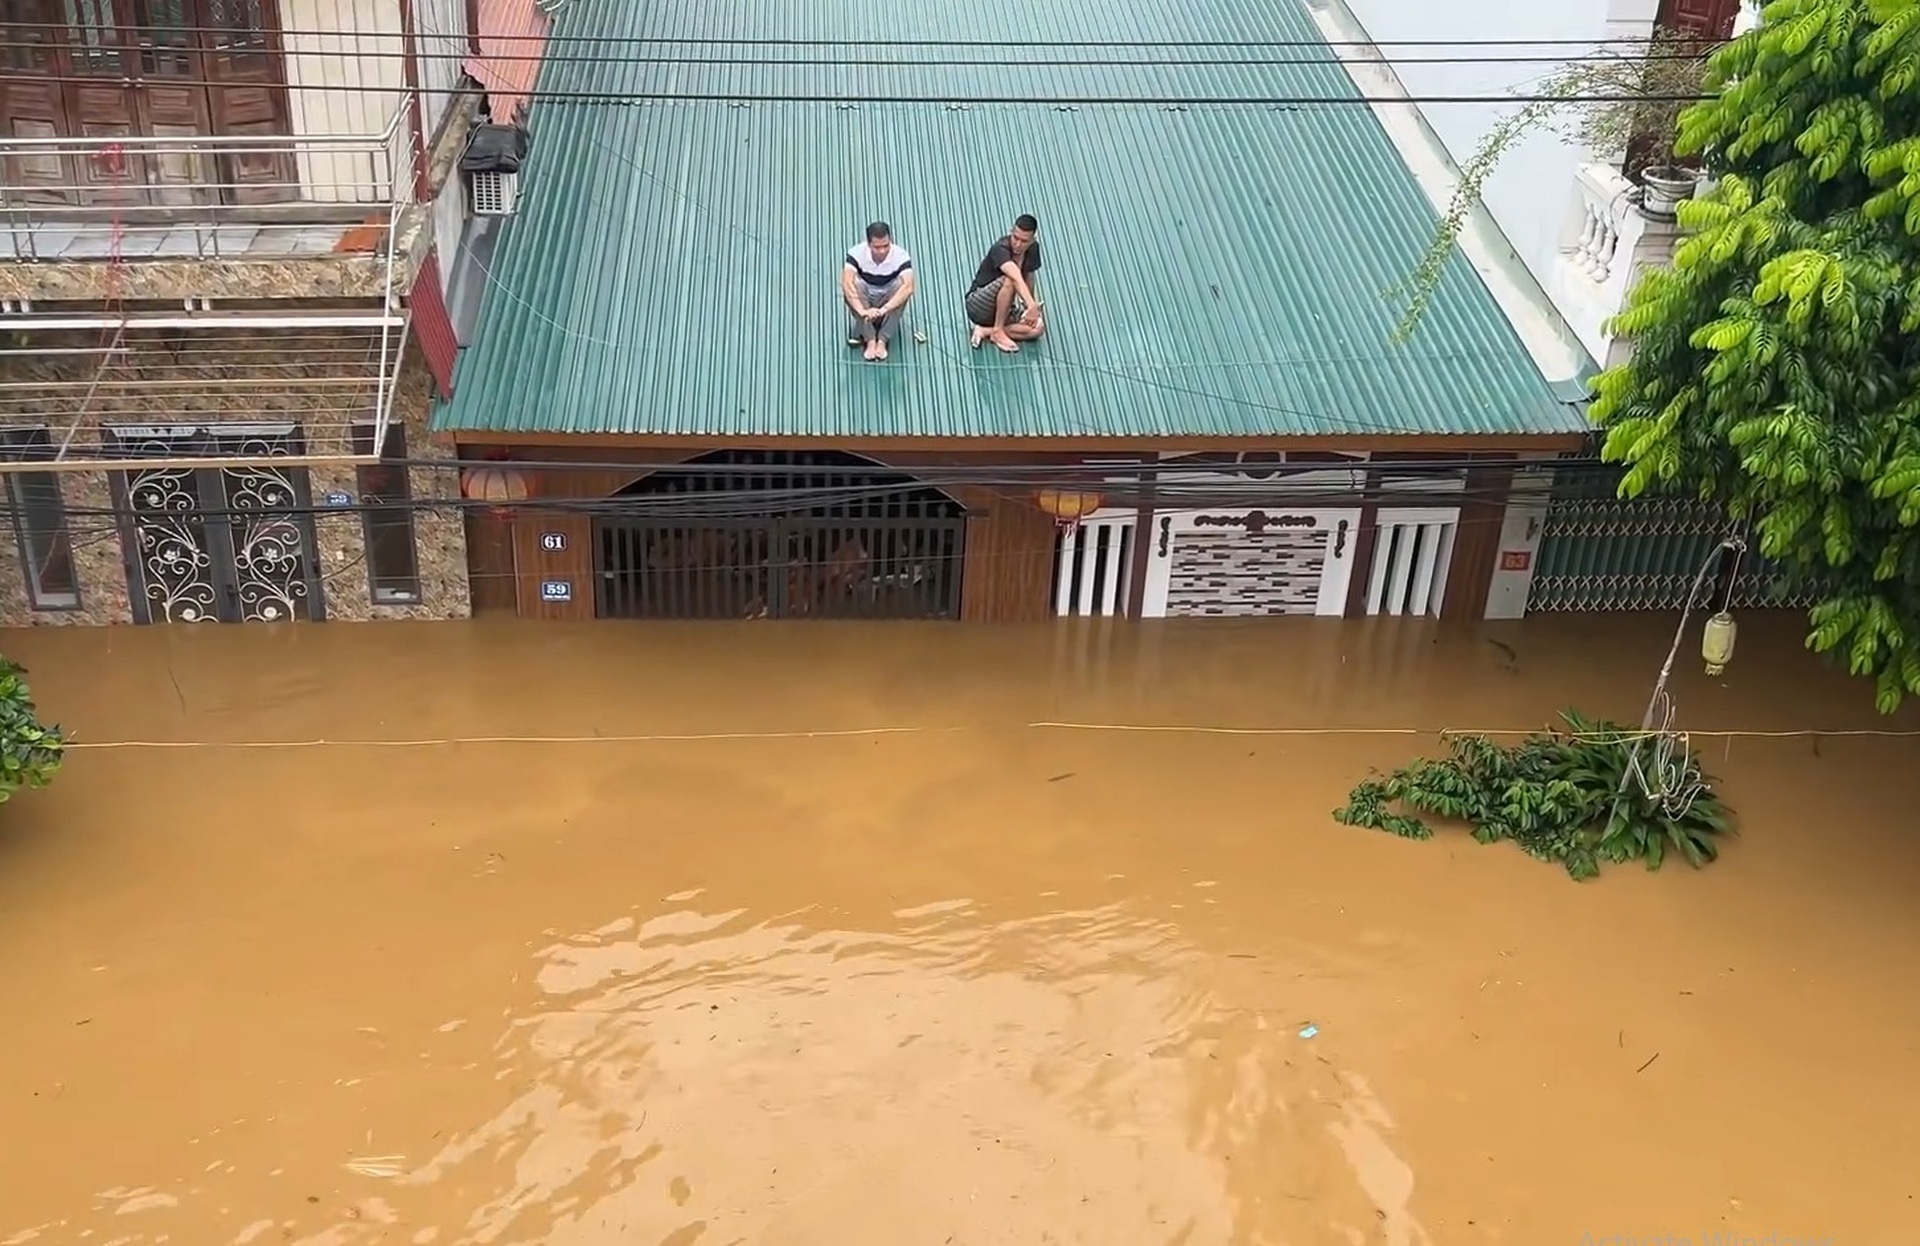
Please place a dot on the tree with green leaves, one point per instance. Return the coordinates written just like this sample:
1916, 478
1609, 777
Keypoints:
1776, 363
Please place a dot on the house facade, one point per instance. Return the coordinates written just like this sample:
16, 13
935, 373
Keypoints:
233, 231
665, 421
622, 394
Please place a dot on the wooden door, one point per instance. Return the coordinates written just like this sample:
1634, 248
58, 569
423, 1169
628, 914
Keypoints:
101, 101
1699, 22
1709, 21
92, 45
242, 55
161, 68
169, 101
32, 104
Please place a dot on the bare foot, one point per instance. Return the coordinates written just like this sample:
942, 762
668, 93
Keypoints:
879, 349
872, 352
979, 335
999, 338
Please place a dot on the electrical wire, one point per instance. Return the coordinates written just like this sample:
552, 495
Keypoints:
749, 509
751, 503
859, 732
988, 470
633, 97
855, 40
95, 525
1008, 58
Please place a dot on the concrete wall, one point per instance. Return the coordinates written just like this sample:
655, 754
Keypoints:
100, 558
348, 81
440, 37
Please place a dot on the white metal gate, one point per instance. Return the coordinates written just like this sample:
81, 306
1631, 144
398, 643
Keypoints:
1093, 567
1411, 555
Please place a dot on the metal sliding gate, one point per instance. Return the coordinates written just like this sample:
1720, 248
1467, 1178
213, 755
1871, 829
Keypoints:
1600, 552
779, 568
781, 534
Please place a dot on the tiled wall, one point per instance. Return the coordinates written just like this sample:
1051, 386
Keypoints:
1231, 573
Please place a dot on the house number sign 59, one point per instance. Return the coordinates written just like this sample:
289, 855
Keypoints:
553, 542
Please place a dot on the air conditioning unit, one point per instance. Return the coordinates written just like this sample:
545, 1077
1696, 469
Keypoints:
493, 194
491, 164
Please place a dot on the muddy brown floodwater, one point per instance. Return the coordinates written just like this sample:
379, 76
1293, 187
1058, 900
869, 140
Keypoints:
963, 980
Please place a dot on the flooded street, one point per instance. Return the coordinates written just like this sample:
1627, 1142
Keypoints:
798, 935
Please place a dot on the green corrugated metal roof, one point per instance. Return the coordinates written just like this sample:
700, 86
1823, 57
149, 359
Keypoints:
1208, 271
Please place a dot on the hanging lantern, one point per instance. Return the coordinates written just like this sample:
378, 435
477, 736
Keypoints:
1067, 506
501, 488
1716, 642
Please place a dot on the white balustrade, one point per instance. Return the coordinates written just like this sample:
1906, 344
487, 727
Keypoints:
1609, 242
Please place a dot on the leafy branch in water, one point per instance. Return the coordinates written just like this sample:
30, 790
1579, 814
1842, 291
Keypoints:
1603, 103
30, 753
1556, 794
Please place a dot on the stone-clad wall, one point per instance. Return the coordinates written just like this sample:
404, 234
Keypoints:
439, 536
98, 567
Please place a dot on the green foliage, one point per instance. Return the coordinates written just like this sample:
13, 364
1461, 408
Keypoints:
1776, 363
29, 752
1601, 101
1556, 794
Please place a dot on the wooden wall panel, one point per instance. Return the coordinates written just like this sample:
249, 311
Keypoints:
537, 564
490, 576
1008, 576
1477, 546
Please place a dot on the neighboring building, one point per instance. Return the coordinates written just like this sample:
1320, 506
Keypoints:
1572, 221
1567, 214
1216, 280
232, 231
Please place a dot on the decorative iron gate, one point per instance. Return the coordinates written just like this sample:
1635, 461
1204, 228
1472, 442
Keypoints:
708, 540
1601, 552
210, 545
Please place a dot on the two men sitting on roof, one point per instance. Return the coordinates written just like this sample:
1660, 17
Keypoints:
877, 280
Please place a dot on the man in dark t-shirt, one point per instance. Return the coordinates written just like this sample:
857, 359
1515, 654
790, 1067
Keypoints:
1001, 302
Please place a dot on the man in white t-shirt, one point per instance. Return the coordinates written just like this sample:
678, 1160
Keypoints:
876, 281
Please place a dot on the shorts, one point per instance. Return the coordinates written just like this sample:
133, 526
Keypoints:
980, 303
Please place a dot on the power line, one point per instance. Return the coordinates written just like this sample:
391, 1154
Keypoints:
624, 97
987, 471
690, 509
1013, 61
857, 39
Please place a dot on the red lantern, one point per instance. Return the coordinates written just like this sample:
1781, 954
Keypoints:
1067, 506
501, 488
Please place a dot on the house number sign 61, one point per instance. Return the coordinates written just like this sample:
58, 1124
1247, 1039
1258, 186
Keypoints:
553, 542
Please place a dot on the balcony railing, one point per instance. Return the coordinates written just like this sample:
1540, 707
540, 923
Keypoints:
144, 198
1608, 242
